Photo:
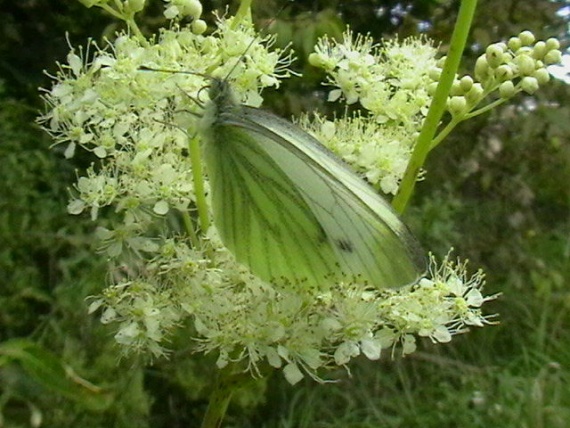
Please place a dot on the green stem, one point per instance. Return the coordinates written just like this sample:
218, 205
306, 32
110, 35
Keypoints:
244, 12
225, 386
438, 105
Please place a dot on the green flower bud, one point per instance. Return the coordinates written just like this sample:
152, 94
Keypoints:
441, 62
135, 5
502, 46
507, 57
475, 93
552, 44
494, 55
526, 65
192, 8
466, 83
539, 50
504, 72
542, 76
431, 88
514, 44
456, 88
507, 89
199, 26
481, 68
434, 74
529, 85
457, 105
527, 38
553, 57
315, 59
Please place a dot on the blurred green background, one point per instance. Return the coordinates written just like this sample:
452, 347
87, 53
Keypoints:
498, 190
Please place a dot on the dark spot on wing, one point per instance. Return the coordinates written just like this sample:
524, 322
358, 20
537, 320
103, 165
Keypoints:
322, 236
344, 245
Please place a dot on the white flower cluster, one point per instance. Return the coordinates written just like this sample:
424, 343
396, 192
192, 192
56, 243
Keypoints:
138, 124
390, 82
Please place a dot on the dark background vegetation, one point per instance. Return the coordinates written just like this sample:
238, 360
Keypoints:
498, 191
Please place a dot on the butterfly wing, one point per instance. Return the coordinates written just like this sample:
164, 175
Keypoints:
261, 216
290, 210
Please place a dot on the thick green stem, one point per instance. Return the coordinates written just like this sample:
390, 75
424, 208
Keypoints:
244, 12
226, 384
438, 105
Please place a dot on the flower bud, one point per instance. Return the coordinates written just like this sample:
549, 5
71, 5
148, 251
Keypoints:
199, 26
542, 76
135, 5
526, 65
514, 44
456, 88
315, 59
457, 105
431, 88
539, 50
192, 8
434, 73
494, 55
475, 93
466, 83
507, 89
552, 44
553, 57
481, 68
527, 38
507, 58
504, 72
529, 85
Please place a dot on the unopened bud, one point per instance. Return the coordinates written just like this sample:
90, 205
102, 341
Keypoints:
192, 8
494, 55
553, 57
514, 44
552, 43
456, 88
542, 76
466, 83
199, 26
475, 93
481, 68
527, 38
526, 65
529, 85
135, 5
503, 73
539, 50
507, 89
431, 88
434, 73
457, 106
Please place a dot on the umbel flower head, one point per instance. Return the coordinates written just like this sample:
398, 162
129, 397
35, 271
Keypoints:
137, 123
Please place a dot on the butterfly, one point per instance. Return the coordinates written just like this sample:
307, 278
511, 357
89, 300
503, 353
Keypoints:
290, 210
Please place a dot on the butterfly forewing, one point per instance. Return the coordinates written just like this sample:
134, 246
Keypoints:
261, 216
289, 209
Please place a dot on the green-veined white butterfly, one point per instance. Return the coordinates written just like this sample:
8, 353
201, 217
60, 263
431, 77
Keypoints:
290, 210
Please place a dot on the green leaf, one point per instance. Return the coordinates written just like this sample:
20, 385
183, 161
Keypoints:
46, 369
